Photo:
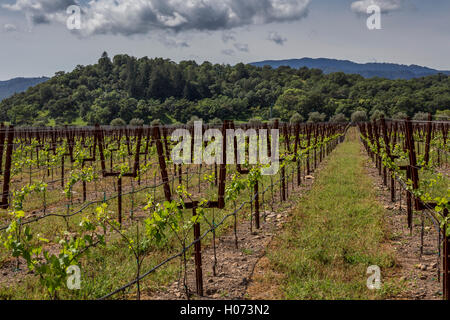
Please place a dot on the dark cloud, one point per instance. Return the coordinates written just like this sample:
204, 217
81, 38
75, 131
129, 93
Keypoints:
40, 19
228, 52
128, 17
41, 11
277, 38
228, 36
242, 47
172, 42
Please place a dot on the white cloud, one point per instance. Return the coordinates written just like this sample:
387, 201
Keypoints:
385, 5
128, 17
10, 27
172, 42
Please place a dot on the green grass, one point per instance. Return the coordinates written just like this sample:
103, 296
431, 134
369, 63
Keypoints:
335, 234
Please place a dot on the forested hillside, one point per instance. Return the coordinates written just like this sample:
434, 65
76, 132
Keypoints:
16, 85
149, 89
367, 70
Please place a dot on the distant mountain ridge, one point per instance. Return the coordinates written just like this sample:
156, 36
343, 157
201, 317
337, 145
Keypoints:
17, 85
367, 70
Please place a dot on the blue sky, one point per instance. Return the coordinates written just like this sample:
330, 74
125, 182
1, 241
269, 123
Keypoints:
35, 40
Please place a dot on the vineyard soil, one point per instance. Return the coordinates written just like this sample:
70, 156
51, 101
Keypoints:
235, 267
418, 273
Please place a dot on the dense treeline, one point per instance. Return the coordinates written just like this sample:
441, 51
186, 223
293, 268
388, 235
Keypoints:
149, 89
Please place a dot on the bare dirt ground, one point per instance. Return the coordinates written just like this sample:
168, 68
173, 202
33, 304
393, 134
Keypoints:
419, 273
236, 267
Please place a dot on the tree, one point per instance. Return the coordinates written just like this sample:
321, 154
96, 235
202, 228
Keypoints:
98, 115
193, 119
400, 116
155, 122
105, 64
60, 121
127, 107
255, 122
291, 101
40, 123
215, 122
443, 115
158, 88
297, 118
136, 122
118, 122
315, 117
339, 118
46, 93
22, 114
273, 120
359, 116
421, 116
376, 115
405, 105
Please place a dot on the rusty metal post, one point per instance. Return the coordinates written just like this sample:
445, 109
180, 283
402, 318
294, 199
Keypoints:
377, 141
7, 173
388, 152
215, 174
119, 199
428, 141
162, 163
62, 170
296, 147
256, 189
223, 166
386, 142
315, 149
446, 261
412, 160
308, 135
283, 183
198, 255
392, 188
2, 145
84, 186
409, 201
